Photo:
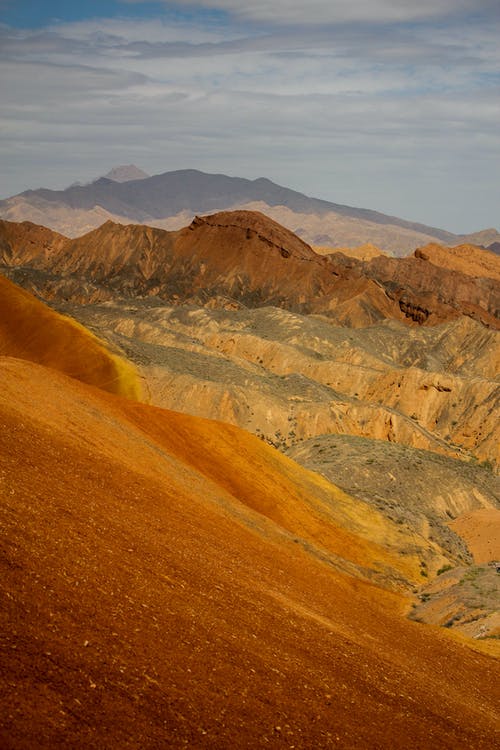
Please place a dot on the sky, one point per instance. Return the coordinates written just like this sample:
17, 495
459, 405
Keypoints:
391, 105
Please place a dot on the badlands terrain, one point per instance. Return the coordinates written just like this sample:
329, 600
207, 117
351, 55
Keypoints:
242, 485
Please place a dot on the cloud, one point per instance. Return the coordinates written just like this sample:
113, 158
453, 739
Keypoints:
292, 12
385, 116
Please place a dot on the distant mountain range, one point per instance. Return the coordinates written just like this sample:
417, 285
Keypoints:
171, 200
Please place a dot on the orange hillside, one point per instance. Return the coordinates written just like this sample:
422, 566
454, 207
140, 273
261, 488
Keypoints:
31, 330
157, 592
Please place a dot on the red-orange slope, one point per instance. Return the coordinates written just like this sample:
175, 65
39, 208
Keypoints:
144, 604
31, 330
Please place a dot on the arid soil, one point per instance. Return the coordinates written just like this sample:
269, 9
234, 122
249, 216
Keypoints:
366, 251
30, 330
465, 599
481, 530
421, 490
152, 596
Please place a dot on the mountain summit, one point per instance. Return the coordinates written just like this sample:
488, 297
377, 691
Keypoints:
126, 173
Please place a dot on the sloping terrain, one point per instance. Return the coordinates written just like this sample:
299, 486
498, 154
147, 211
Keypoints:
283, 375
227, 259
32, 331
172, 199
126, 173
423, 491
171, 581
436, 281
365, 251
152, 595
467, 259
465, 599
481, 530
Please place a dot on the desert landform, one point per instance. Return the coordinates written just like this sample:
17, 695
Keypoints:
249, 486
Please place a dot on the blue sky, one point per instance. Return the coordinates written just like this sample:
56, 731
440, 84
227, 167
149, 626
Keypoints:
385, 104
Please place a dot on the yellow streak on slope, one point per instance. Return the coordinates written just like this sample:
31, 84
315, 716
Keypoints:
30, 330
300, 501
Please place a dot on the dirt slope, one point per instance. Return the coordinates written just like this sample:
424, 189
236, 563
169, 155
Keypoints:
481, 530
438, 283
30, 330
468, 259
148, 602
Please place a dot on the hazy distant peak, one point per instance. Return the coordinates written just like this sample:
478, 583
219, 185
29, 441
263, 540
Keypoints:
126, 173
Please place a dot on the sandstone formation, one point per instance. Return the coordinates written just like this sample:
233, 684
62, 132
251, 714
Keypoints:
285, 376
437, 497
244, 258
288, 377
172, 581
366, 251
438, 283
467, 259
465, 599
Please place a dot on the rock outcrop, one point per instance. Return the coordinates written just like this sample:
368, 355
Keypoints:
244, 258
282, 374
437, 283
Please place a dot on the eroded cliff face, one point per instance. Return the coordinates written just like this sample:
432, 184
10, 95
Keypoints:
437, 283
153, 560
289, 377
244, 258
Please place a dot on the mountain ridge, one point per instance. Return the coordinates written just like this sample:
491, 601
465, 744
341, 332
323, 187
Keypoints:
161, 198
248, 258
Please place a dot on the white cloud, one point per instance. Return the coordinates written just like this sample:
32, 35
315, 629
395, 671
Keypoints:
385, 117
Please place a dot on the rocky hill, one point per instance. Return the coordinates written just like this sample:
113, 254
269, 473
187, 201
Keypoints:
370, 358
289, 377
245, 258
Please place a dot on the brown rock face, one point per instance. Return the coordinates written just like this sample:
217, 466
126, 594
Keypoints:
438, 284
243, 257
385, 387
467, 259
26, 243
237, 257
